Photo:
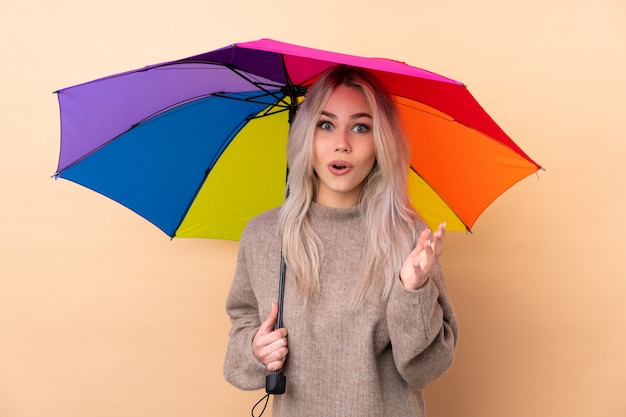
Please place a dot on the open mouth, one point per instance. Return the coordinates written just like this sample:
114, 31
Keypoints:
339, 167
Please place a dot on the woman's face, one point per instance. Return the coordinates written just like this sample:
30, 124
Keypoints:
343, 146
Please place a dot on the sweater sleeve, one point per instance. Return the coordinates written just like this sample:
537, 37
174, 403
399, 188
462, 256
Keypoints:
241, 368
423, 330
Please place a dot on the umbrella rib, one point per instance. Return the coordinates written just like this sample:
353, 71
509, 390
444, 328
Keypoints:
438, 114
292, 90
261, 86
442, 199
58, 173
212, 163
270, 110
219, 94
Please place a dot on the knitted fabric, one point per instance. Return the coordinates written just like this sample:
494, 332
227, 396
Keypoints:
372, 361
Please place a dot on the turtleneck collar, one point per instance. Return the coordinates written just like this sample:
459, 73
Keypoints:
332, 213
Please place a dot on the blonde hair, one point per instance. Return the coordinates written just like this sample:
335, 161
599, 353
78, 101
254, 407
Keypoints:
389, 216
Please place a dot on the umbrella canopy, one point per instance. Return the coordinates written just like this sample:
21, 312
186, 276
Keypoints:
197, 145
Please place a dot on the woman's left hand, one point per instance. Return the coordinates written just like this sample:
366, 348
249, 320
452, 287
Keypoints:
417, 266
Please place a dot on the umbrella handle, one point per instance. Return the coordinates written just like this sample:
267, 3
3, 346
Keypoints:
275, 382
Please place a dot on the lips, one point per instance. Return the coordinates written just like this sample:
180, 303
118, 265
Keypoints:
339, 167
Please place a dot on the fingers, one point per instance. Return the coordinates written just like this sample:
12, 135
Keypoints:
437, 240
416, 268
270, 322
440, 232
276, 361
422, 249
268, 345
414, 271
424, 241
424, 253
271, 350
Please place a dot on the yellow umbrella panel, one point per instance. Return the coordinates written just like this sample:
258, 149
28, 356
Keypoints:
248, 179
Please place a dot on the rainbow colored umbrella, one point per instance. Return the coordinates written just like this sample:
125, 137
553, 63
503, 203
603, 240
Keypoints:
197, 145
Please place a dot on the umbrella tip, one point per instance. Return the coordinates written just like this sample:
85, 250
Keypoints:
537, 172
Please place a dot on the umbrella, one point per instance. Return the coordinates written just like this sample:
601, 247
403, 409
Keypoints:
197, 145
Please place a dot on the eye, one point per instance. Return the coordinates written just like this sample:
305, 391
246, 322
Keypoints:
325, 125
361, 128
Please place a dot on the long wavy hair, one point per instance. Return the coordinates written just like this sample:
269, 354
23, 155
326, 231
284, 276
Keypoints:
390, 219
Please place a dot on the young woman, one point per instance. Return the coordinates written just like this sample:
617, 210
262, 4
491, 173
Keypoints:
367, 320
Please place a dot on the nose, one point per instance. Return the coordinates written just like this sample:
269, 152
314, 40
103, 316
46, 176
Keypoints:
342, 144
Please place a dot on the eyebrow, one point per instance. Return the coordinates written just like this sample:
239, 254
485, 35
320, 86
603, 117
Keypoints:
354, 116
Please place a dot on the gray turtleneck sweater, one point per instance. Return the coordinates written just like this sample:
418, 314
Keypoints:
373, 361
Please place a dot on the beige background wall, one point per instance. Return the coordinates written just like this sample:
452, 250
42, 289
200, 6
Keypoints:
102, 315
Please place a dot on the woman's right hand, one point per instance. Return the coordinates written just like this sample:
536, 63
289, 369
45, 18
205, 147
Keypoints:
269, 345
